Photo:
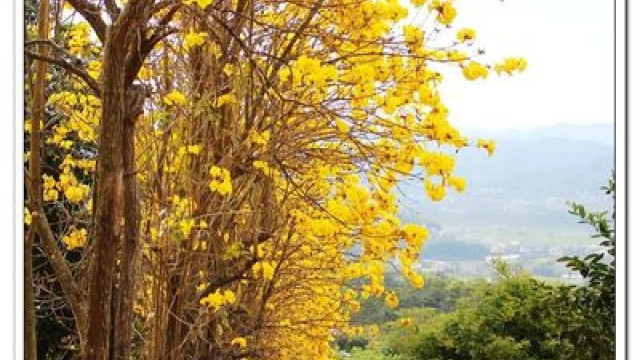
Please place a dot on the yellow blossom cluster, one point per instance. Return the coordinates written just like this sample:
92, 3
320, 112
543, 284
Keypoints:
180, 222
241, 342
79, 42
76, 238
218, 299
68, 184
220, 180
175, 98
193, 39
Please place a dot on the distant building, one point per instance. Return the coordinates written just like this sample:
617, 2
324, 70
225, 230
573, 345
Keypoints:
510, 258
509, 252
437, 266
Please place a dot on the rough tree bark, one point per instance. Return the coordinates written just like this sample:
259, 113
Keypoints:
124, 302
30, 342
107, 196
120, 46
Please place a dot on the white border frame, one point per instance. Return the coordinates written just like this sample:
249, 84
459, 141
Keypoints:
10, 183
11, 252
620, 175
633, 176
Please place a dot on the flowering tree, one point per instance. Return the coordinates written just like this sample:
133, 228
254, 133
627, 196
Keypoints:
228, 167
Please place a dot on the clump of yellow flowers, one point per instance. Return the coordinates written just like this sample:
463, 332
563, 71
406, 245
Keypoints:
220, 180
76, 238
218, 299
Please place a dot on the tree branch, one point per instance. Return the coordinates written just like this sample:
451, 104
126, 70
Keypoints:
135, 61
137, 58
62, 272
112, 9
70, 68
91, 13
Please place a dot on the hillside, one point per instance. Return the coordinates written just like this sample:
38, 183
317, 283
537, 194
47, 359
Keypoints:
520, 193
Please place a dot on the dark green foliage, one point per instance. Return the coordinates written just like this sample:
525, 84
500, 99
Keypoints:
373, 311
590, 309
440, 292
508, 319
347, 344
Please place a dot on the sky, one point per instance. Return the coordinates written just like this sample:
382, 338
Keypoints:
569, 47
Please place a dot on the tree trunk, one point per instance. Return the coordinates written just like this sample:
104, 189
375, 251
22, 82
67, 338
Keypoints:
108, 197
126, 292
30, 343
30, 339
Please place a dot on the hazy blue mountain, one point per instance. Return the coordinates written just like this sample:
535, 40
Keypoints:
520, 193
600, 133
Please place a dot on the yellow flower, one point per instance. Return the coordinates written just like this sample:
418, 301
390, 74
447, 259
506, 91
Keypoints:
257, 250
489, 145
186, 226
446, 12
218, 299
354, 305
194, 39
342, 126
457, 183
66, 144
175, 98
76, 193
415, 234
145, 73
201, 3
262, 166
221, 182
416, 280
194, 149
226, 99
413, 35
229, 297
435, 192
509, 65
239, 341
76, 238
267, 271
474, 70
228, 69
214, 300
260, 138
265, 268
94, 68
27, 216
50, 194
404, 322
391, 300
466, 34
522, 64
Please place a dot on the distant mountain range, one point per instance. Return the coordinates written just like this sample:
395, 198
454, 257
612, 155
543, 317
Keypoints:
523, 188
600, 133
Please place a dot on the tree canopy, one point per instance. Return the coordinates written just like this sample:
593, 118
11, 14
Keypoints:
224, 170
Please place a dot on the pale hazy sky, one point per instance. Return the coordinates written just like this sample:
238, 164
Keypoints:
569, 47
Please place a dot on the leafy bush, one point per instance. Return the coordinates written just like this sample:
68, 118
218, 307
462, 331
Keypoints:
590, 309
